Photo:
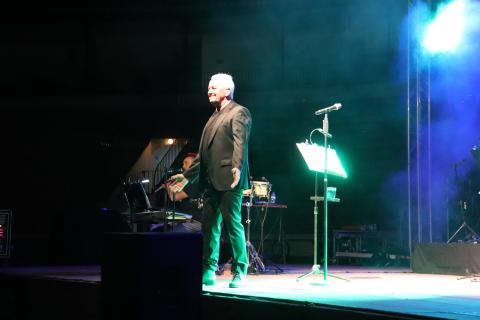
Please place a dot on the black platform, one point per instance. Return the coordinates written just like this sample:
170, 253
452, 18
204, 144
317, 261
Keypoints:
447, 258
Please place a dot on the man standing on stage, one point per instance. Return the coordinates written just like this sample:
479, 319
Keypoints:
222, 169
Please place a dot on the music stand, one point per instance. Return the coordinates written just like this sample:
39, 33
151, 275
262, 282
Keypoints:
140, 209
327, 162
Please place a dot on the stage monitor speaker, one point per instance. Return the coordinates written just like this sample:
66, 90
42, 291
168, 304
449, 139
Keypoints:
152, 276
5, 232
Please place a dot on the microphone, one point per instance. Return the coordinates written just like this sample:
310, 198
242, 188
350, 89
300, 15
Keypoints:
173, 171
334, 107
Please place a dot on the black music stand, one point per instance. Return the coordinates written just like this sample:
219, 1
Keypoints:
140, 209
321, 159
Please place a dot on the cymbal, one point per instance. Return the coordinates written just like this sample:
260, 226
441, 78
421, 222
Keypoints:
158, 216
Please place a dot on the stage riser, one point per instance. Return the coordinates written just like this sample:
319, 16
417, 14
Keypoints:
446, 258
152, 276
32, 299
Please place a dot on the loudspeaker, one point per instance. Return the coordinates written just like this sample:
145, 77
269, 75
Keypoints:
152, 276
5, 232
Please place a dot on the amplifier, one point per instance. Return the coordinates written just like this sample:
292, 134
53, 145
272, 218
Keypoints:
5, 232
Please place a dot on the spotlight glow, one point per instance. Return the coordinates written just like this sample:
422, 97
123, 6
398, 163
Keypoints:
444, 34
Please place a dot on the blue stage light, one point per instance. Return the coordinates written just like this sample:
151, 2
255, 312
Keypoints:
445, 32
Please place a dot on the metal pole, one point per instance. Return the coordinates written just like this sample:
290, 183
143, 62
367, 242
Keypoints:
325, 201
315, 224
418, 148
409, 166
429, 155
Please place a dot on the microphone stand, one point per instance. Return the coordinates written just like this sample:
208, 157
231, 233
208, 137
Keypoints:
325, 199
462, 209
254, 260
173, 210
165, 209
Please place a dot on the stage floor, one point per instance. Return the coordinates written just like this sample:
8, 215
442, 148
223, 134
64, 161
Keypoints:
389, 290
393, 290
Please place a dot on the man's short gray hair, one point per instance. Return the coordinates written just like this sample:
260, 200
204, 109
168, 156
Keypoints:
226, 80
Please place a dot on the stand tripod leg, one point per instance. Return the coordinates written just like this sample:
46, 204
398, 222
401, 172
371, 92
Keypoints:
315, 270
464, 225
277, 268
255, 261
475, 277
337, 277
471, 230
456, 232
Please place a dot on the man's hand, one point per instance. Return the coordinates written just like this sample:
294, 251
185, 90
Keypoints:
236, 177
177, 177
177, 183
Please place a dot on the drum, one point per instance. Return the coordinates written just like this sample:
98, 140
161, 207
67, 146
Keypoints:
261, 189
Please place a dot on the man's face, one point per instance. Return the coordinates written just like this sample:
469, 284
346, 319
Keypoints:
217, 92
187, 162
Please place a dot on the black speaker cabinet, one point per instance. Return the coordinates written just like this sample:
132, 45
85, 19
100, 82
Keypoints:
5, 232
151, 276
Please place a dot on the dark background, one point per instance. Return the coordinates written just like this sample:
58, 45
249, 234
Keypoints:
85, 86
